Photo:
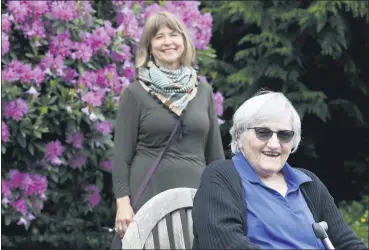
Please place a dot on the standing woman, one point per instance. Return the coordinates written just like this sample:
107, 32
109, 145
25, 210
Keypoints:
166, 92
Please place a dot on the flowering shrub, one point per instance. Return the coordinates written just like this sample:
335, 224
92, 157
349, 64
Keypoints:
356, 215
65, 64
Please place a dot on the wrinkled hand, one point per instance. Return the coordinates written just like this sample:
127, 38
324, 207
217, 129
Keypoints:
124, 215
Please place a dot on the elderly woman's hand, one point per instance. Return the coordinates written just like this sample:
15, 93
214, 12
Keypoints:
124, 215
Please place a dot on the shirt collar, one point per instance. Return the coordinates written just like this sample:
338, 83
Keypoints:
293, 176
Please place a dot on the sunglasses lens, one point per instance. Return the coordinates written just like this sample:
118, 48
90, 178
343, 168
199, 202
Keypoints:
263, 134
285, 136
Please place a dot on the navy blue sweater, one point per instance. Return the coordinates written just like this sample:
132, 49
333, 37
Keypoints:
219, 211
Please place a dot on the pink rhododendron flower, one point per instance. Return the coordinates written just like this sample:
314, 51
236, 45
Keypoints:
84, 8
128, 4
34, 29
106, 165
119, 87
4, 132
219, 100
53, 151
93, 195
83, 51
99, 39
128, 23
61, 45
19, 9
21, 206
25, 73
123, 54
24, 221
35, 184
78, 160
88, 78
69, 75
15, 178
109, 28
94, 98
6, 22
51, 62
64, 10
151, 9
108, 76
38, 75
8, 75
38, 8
5, 45
16, 109
129, 72
5, 188
75, 138
104, 127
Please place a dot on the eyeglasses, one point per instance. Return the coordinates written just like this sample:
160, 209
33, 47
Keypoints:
264, 134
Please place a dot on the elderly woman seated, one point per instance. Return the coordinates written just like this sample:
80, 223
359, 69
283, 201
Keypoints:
257, 200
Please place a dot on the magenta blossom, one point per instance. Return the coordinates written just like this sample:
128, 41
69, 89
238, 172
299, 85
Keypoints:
6, 22
99, 39
34, 29
78, 160
51, 62
94, 98
5, 188
109, 28
123, 54
75, 138
69, 75
20, 10
83, 51
93, 195
104, 127
64, 10
4, 132
128, 23
16, 109
61, 45
36, 184
88, 79
38, 75
15, 178
219, 99
106, 165
108, 76
53, 151
5, 45
129, 72
21, 206
38, 8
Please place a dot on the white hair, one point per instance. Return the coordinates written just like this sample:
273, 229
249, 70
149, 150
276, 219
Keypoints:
263, 107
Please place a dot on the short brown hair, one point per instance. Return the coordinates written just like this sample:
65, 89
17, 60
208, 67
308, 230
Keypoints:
152, 26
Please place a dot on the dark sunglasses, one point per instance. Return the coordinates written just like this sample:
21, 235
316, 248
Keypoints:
264, 134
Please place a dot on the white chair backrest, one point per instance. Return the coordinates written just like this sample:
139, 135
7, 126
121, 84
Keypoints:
154, 213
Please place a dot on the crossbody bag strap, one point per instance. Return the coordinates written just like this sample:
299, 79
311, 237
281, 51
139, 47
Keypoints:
154, 166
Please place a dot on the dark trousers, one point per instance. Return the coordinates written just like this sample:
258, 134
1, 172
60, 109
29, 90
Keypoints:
116, 243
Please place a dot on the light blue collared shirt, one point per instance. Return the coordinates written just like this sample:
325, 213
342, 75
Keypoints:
274, 221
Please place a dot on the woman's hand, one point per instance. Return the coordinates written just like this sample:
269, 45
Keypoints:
124, 215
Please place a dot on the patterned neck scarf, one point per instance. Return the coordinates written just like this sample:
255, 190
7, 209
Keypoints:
174, 88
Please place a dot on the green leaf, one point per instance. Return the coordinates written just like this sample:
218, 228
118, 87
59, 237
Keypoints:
80, 68
40, 146
21, 140
31, 149
7, 220
60, 29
